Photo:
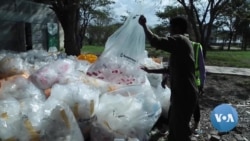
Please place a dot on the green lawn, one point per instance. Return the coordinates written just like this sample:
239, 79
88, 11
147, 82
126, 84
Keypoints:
217, 58
229, 58
93, 49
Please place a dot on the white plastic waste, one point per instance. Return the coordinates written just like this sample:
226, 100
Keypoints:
10, 122
20, 87
60, 71
120, 60
128, 112
81, 98
59, 122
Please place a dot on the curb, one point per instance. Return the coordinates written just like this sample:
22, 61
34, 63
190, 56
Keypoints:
228, 70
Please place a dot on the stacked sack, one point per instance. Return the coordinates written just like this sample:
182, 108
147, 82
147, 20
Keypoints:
58, 97
57, 100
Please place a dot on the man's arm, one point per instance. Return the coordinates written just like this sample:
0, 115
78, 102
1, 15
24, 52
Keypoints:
163, 43
158, 71
148, 33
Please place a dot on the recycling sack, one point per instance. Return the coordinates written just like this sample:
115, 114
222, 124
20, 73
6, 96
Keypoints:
128, 112
120, 60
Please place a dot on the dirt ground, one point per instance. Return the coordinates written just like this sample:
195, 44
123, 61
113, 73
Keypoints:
220, 89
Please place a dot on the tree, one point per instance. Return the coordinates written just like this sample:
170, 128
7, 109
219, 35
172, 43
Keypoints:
231, 18
243, 23
244, 31
67, 12
75, 16
97, 10
169, 11
202, 15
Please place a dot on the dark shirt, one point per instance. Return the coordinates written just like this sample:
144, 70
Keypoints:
181, 65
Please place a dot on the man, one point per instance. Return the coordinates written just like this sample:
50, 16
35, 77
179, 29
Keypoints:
182, 76
200, 76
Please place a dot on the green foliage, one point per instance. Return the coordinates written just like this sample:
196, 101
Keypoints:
171, 11
98, 35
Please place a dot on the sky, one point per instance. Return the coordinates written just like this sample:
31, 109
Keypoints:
146, 7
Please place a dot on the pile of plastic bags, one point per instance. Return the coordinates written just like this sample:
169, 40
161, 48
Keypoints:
55, 97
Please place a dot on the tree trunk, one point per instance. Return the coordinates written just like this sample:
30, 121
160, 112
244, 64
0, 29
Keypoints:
230, 40
71, 44
69, 19
71, 33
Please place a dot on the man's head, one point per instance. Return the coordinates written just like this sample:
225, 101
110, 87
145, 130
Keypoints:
178, 25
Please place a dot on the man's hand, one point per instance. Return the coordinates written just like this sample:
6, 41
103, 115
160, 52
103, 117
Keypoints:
145, 69
142, 20
163, 82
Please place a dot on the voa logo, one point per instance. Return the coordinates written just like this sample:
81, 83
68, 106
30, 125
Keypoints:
224, 118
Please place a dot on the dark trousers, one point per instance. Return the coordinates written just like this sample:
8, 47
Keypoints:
197, 113
179, 118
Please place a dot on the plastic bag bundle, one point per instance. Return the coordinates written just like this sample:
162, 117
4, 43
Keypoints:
59, 122
99, 84
163, 95
35, 56
60, 71
12, 125
4, 53
11, 65
28, 120
27, 100
82, 66
32, 110
35, 59
128, 112
10, 122
124, 49
81, 98
20, 88
154, 78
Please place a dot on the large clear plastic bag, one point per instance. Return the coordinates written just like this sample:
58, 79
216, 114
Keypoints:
81, 98
11, 65
163, 95
35, 59
60, 71
154, 78
128, 112
10, 123
120, 60
99, 84
59, 123
21, 88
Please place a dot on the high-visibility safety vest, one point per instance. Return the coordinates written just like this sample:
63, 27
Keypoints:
197, 47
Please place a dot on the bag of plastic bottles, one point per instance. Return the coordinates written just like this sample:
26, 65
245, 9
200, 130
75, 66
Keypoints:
129, 112
120, 60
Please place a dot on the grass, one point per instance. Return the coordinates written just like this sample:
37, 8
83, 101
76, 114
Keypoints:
239, 59
92, 49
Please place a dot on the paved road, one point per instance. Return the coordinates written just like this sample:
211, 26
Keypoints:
228, 70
